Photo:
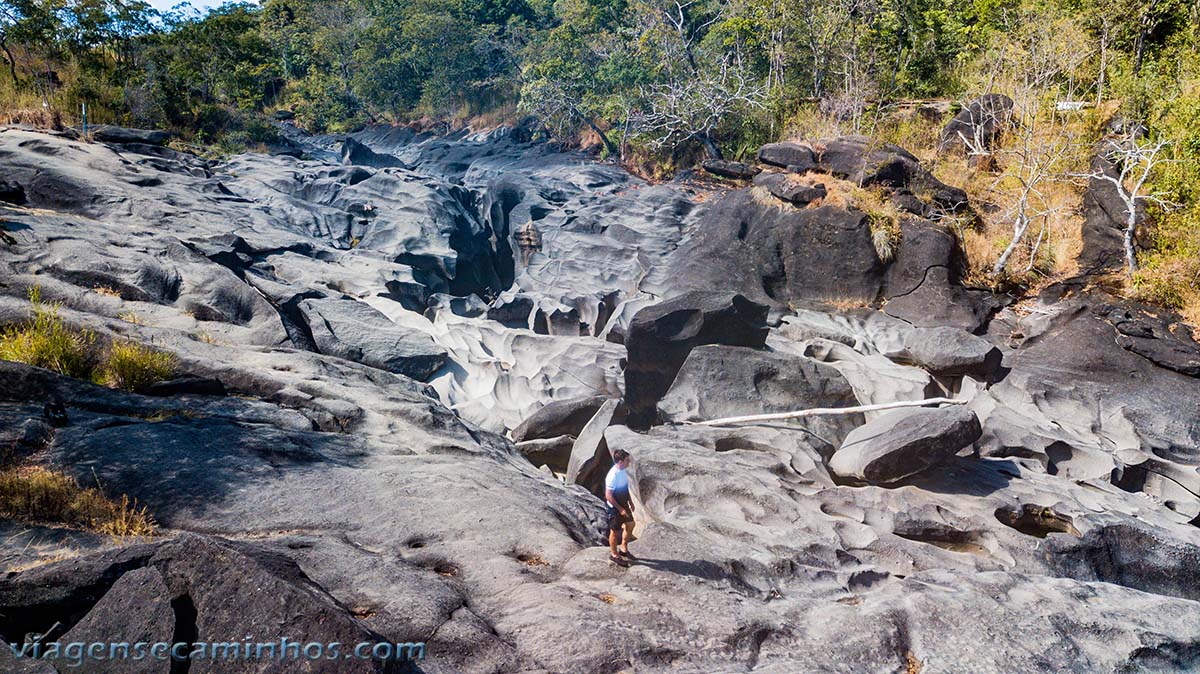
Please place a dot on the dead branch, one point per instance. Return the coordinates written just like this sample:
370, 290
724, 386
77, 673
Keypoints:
827, 411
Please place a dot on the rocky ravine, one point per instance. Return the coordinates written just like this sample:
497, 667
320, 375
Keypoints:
388, 315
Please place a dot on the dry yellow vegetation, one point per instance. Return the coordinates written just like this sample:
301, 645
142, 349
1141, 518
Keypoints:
39, 495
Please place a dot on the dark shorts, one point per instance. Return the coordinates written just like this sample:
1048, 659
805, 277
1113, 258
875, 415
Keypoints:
615, 521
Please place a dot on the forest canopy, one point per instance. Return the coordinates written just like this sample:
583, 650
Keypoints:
719, 73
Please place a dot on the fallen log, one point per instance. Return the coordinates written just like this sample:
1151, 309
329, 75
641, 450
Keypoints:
824, 411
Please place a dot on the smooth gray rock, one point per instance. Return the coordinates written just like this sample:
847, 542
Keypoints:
590, 456
731, 169
184, 589
756, 245
950, 351
554, 453
924, 284
136, 609
1073, 531
661, 336
122, 135
979, 125
795, 156
350, 329
727, 381
558, 417
903, 443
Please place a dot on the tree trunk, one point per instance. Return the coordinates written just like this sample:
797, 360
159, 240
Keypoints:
612, 148
1018, 234
710, 147
1147, 22
1103, 62
828, 411
1130, 232
12, 63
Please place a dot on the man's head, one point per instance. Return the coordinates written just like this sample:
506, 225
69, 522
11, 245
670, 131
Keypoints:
622, 458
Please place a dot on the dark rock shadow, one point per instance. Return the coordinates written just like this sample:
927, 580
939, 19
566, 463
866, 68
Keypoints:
701, 569
967, 476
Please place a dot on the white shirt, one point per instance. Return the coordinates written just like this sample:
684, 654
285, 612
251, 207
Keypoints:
617, 481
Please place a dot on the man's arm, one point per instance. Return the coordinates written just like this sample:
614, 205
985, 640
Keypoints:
608, 496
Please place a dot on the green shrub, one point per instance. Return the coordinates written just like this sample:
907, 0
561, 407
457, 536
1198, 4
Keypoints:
133, 367
46, 341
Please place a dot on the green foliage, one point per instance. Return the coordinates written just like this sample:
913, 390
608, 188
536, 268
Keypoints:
133, 367
46, 341
607, 67
1170, 271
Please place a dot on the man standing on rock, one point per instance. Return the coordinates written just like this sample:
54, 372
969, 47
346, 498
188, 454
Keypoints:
620, 509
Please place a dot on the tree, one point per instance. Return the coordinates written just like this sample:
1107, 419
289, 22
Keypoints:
683, 111
1135, 159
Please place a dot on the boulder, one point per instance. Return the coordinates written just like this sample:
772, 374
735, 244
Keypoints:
554, 453
661, 336
864, 162
755, 245
355, 153
558, 417
122, 135
792, 156
352, 330
950, 352
735, 170
590, 458
979, 124
798, 192
727, 381
190, 588
924, 287
138, 608
1104, 216
903, 443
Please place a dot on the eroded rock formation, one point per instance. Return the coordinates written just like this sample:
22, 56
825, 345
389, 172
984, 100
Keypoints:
363, 332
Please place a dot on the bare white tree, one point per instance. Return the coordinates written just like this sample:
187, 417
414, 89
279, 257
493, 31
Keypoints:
1029, 62
556, 106
1035, 164
1135, 159
684, 110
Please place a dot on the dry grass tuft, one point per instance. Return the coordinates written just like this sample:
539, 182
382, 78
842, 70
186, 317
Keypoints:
107, 292
36, 117
130, 317
37, 495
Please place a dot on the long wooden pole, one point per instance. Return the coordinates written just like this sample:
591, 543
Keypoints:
824, 411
